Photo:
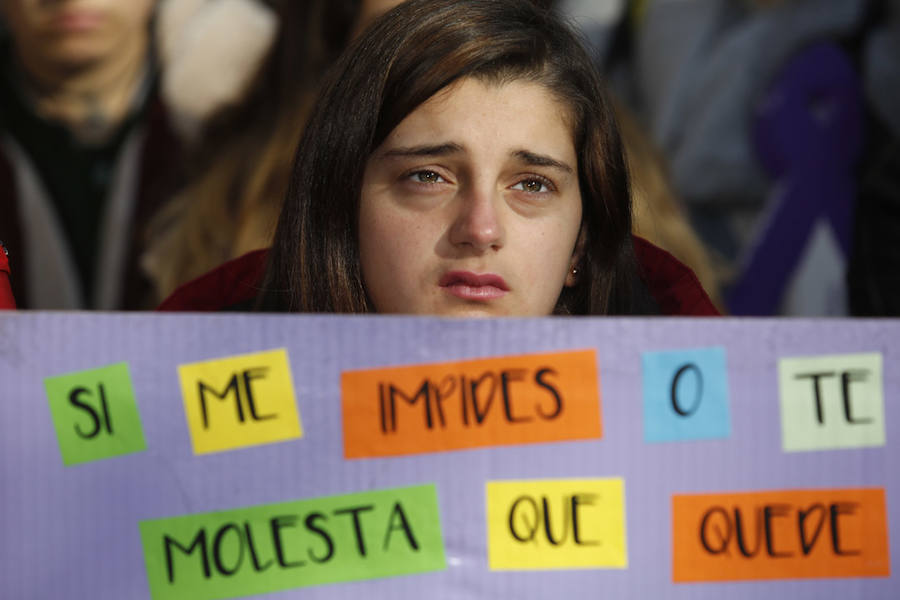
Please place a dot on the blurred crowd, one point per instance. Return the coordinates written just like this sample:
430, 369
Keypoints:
144, 142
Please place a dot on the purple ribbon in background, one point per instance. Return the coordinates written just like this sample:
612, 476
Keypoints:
808, 133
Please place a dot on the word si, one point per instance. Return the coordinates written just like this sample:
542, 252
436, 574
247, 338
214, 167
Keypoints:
98, 423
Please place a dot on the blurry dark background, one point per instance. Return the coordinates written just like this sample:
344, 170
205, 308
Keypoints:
143, 143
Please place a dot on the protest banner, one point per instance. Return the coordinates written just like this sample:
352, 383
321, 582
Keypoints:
280, 456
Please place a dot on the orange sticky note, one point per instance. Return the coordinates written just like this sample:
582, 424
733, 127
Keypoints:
780, 535
469, 404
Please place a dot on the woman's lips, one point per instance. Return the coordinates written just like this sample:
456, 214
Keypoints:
77, 21
472, 286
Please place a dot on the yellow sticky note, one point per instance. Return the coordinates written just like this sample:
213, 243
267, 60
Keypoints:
556, 524
239, 401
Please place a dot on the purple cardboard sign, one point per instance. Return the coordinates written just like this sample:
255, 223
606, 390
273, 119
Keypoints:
75, 533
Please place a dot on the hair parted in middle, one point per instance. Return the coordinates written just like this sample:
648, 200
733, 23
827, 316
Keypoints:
406, 57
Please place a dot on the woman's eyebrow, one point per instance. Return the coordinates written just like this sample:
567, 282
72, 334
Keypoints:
541, 160
424, 150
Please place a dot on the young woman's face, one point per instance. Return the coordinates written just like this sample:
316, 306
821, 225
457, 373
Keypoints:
471, 206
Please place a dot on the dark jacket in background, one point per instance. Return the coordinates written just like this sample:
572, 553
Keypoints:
72, 212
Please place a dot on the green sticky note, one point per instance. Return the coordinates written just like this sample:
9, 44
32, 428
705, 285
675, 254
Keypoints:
295, 544
95, 414
833, 401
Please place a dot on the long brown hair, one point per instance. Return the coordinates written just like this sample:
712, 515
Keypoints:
402, 60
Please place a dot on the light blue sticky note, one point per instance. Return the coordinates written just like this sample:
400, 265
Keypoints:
686, 395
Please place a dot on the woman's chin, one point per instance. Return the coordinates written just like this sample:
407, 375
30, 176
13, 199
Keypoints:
473, 310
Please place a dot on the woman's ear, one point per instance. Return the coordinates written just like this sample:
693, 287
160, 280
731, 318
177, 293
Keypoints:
577, 254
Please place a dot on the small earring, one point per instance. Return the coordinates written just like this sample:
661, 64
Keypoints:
574, 270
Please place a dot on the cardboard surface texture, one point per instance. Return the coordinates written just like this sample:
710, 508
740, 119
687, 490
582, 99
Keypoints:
149, 456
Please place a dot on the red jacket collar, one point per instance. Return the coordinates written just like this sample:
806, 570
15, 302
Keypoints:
674, 286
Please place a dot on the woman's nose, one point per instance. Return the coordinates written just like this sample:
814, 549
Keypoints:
477, 222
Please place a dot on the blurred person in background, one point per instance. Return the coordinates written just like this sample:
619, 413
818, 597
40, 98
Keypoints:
246, 130
82, 140
763, 108
778, 121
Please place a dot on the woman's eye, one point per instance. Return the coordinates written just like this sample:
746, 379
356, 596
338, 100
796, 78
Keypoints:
532, 186
426, 177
